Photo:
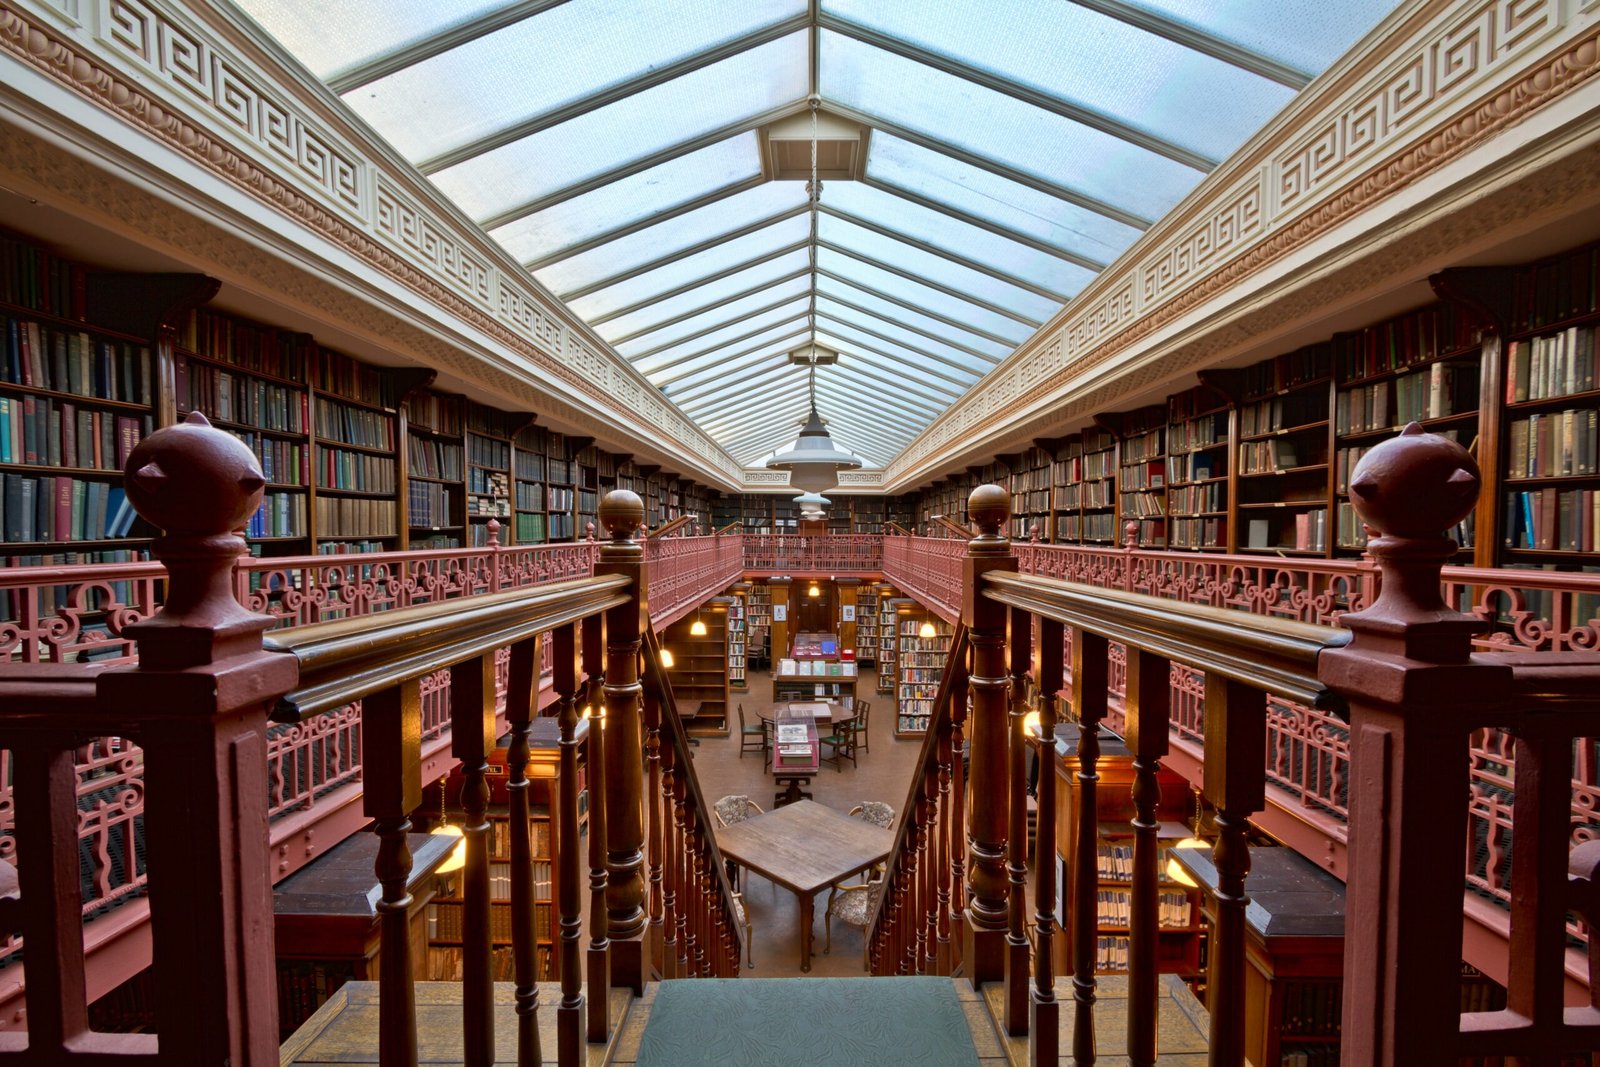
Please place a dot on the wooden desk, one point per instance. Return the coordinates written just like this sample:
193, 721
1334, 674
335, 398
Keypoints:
805, 847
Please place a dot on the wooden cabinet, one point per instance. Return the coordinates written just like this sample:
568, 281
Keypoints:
326, 921
1294, 950
1179, 948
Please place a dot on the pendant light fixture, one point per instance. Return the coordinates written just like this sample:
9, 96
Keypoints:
1176, 872
814, 590
458, 855
813, 461
926, 630
698, 627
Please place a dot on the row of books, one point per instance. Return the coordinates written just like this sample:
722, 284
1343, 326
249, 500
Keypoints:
39, 431
1111, 953
1270, 456
351, 548
430, 411
435, 541
1143, 505
353, 379
280, 515
247, 345
1415, 338
529, 465
500, 837
1560, 288
1558, 364
1352, 532
447, 918
446, 963
283, 461
1195, 467
1195, 499
429, 504
1288, 371
1310, 1009
1143, 446
434, 459
1202, 432
815, 668
359, 471
486, 452
1084, 466
71, 361
487, 482
912, 724
304, 986
1033, 501
488, 507
33, 278
1554, 520
1101, 527
235, 398
530, 528
354, 426
1151, 474
530, 496
1554, 444
1115, 907
1305, 531
61, 508
1085, 495
354, 517
1433, 393
1283, 413
1197, 533
1115, 862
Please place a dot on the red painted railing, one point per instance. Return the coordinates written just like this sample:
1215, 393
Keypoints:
825, 554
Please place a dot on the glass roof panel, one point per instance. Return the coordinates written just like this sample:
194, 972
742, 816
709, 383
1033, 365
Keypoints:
967, 241
712, 294
732, 313
883, 281
650, 244
998, 200
888, 312
661, 188
893, 253
899, 333
715, 336
553, 59
1085, 58
703, 373
738, 88
1307, 36
1017, 135
679, 272
847, 338
665, 369
333, 38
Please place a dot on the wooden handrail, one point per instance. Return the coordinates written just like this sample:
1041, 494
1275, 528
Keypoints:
1275, 655
347, 659
668, 528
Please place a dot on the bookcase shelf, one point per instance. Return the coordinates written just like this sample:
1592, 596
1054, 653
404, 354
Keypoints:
699, 671
920, 661
738, 635
888, 636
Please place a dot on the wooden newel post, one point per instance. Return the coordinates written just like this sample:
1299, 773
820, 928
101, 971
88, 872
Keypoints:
1414, 689
204, 686
984, 931
621, 512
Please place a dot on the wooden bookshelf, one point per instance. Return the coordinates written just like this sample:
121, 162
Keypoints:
867, 623
888, 636
920, 663
699, 670
1142, 471
1283, 489
1199, 446
738, 638
1030, 494
436, 471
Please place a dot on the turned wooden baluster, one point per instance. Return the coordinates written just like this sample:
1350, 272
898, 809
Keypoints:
905, 911
1090, 685
929, 915
983, 951
598, 962
565, 675
942, 831
1234, 784
683, 868
670, 849
472, 738
1019, 639
522, 692
1044, 1013
203, 686
655, 840
1412, 690
391, 769
956, 825
621, 512
704, 895
1146, 702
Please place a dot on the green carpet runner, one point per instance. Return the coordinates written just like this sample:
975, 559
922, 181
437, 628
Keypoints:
807, 1022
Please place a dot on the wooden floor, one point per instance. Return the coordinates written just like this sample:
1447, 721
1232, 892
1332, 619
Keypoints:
883, 773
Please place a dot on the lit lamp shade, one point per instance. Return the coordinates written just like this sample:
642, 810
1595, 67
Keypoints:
1033, 724
666, 659
813, 461
814, 590
926, 631
458, 855
697, 628
1177, 873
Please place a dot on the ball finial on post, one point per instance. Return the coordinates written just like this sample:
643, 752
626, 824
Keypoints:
1415, 486
989, 507
621, 514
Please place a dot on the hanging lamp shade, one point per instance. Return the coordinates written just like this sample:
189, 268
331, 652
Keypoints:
813, 461
812, 502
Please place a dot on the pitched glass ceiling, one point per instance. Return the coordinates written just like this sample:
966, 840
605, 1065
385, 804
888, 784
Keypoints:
982, 160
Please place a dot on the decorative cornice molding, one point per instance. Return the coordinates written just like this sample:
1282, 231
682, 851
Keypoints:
1326, 165
158, 70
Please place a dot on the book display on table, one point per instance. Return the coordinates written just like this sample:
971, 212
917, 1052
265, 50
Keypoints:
1198, 449
1142, 472
436, 458
251, 380
699, 667
738, 636
1422, 367
924, 644
831, 679
488, 444
1551, 440
1284, 435
356, 488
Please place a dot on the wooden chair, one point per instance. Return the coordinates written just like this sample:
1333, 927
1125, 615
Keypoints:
741, 915
735, 807
853, 904
864, 721
843, 742
751, 738
878, 814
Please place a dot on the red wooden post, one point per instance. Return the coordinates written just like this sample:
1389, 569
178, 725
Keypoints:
522, 694
204, 685
1147, 703
1044, 1011
1019, 638
1413, 688
984, 932
565, 677
599, 956
622, 511
472, 738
